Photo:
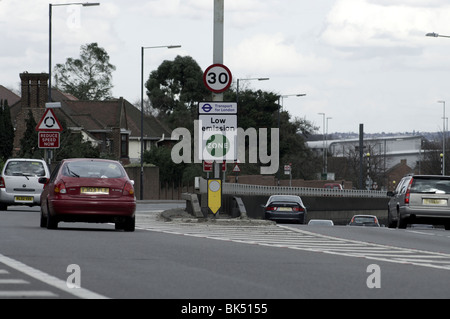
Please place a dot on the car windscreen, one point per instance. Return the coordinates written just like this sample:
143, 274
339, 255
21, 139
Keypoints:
93, 169
25, 168
430, 186
363, 220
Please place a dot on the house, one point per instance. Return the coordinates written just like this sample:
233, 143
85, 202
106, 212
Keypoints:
113, 125
8, 95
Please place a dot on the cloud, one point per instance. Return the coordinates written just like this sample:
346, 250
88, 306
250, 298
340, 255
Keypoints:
397, 27
273, 54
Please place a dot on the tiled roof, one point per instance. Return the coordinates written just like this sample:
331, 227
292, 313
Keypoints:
6, 94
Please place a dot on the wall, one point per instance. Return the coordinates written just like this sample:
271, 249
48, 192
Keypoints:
338, 209
151, 181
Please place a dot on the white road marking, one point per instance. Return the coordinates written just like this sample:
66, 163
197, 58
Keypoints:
48, 279
298, 239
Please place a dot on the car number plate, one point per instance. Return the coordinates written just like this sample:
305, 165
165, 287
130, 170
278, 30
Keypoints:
23, 199
94, 190
284, 209
433, 201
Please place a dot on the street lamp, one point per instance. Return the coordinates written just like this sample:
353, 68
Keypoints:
324, 147
50, 6
443, 139
251, 79
281, 102
141, 195
436, 35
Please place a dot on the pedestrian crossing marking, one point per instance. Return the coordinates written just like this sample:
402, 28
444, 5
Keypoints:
297, 239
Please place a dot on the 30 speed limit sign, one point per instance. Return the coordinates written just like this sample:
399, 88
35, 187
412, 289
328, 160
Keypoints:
217, 78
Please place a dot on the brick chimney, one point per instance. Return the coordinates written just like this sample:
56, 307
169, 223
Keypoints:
34, 89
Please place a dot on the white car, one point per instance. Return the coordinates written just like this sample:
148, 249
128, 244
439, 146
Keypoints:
19, 182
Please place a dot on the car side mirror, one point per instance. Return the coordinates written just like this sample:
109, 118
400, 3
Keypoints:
43, 180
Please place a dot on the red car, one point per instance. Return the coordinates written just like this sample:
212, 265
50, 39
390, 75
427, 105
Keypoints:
88, 190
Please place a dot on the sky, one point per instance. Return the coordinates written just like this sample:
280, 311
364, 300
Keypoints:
358, 61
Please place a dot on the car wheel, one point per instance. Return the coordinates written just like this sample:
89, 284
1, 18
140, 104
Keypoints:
401, 222
52, 222
391, 223
130, 224
43, 219
3, 207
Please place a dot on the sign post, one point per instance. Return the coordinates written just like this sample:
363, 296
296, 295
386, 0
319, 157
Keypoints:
49, 129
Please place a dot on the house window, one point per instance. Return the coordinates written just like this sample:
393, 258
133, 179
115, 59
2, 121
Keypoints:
124, 145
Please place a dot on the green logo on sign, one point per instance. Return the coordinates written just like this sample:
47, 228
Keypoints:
218, 145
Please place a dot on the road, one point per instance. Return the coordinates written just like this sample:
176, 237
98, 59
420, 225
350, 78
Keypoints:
218, 261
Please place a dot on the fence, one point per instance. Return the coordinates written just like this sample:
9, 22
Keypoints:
243, 189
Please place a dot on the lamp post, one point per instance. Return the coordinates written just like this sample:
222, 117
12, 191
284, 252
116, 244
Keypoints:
324, 147
443, 139
250, 79
280, 103
50, 9
436, 35
141, 189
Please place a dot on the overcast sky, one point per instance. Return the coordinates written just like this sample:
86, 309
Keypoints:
358, 61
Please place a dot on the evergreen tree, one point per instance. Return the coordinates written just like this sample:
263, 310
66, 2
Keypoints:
29, 142
6, 131
7, 147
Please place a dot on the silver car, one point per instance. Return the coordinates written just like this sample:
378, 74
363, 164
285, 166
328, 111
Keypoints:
420, 199
19, 182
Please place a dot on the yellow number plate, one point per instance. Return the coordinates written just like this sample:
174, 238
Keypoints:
23, 199
94, 190
284, 209
432, 201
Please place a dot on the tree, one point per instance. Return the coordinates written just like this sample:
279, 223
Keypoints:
29, 142
73, 146
86, 78
6, 131
175, 89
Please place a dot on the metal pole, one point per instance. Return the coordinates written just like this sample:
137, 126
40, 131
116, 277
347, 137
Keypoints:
361, 154
219, 16
443, 139
50, 53
141, 180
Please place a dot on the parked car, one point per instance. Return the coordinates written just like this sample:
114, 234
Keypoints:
364, 220
420, 199
88, 190
335, 186
19, 182
285, 208
320, 222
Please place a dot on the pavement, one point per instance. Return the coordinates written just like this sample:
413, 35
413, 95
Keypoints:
180, 215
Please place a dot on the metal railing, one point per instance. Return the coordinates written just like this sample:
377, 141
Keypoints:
243, 189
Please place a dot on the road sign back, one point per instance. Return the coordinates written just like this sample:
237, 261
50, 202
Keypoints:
49, 123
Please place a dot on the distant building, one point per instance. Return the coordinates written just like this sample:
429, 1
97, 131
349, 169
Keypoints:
391, 150
113, 125
8, 95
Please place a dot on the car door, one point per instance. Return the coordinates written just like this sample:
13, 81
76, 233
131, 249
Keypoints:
395, 200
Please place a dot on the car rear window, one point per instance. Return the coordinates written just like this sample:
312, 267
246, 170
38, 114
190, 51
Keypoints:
430, 186
93, 169
363, 220
25, 168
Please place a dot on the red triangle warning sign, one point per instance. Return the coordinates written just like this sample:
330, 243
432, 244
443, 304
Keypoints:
49, 123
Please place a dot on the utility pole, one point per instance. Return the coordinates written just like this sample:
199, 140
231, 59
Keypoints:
219, 17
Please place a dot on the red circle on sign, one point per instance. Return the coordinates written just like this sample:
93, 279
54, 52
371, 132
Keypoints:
217, 78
